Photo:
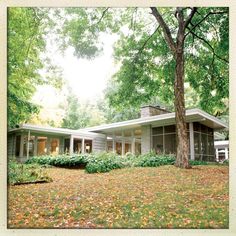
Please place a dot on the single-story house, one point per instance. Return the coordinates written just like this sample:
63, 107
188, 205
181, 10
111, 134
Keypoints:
154, 130
222, 150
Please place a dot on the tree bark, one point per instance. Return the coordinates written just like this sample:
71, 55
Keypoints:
177, 49
182, 154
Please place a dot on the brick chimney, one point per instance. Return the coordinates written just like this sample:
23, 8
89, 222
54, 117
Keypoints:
149, 110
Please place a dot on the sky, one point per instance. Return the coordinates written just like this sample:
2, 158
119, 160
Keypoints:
87, 78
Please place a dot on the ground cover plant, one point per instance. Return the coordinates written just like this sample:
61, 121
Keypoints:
163, 197
32, 173
105, 162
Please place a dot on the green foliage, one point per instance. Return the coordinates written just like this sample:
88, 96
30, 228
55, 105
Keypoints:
196, 163
27, 30
146, 64
80, 115
61, 160
21, 173
104, 162
153, 160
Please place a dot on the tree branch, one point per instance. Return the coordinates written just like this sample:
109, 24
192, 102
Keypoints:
204, 18
103, 14
146, 41
209, 45
189, 18
165, 29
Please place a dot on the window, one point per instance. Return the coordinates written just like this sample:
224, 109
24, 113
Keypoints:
127, 147
157, 130
169, 129
17, 150
118, 148
158, 143
42, 146
88, 146
54, 146
30, 145
77, 147
67, 145
170, 143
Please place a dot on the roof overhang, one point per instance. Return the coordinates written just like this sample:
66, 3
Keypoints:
193, 115
55, 131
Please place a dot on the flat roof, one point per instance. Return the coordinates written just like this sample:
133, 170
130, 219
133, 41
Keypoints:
192, 115
52, 130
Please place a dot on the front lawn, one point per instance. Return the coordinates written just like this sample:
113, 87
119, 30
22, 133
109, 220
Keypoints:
153, 197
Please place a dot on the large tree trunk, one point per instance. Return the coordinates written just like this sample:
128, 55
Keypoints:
177, 49
181, 127
182, 154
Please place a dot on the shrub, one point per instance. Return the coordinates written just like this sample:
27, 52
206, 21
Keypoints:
31, 173
61, 160
104, 162
153, 160
197, 163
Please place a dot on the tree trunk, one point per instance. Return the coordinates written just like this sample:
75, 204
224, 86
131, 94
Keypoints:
182, 154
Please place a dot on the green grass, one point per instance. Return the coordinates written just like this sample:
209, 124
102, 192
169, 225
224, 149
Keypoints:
154, 197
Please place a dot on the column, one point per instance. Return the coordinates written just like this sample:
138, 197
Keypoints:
113, 143
21, 145
71, 145
27, 150
226, 154
146, 139
217, 155
132, 142
123, 144
35, 145
48, 146
82, 146
191, 137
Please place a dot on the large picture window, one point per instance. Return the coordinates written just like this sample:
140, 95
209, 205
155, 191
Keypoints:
164, 141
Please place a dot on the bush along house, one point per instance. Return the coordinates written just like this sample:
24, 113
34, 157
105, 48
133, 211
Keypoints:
154, 130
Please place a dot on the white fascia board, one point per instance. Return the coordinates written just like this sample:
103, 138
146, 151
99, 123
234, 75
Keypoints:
209, 117
199, 115
79, 133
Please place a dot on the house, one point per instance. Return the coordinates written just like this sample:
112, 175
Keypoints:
222, 150
154, 130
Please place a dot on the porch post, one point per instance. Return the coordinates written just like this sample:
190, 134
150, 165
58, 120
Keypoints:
21, 145
123, 144
28, 139
35, 145
71, 145
82, 146
226, 154
48, 145
113, 143
132, 142
217, 155
191, 136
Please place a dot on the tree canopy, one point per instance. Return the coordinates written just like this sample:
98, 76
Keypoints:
147, 66
158, 53
27, 28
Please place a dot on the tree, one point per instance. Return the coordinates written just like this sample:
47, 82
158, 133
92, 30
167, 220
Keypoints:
158, 53
27, 28
79, 115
